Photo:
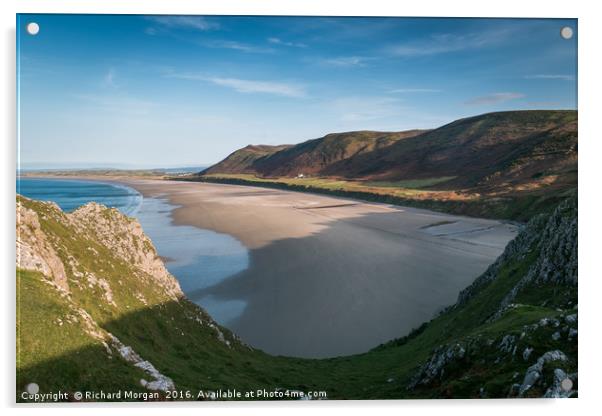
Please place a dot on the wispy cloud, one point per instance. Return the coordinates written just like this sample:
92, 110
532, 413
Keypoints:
184, 22
495, 98
551, 76
347, 61
544, 103
448, 42
238, 46
268, 87
118, 103
278, 41
413, 90
109, 78
248, 86
361, 109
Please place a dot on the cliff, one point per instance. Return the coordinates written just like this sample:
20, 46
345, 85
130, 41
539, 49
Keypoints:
78, 275
97, 310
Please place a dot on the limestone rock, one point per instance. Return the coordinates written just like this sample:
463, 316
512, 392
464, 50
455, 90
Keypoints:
159, 382
34, 250
434, 368
534, 373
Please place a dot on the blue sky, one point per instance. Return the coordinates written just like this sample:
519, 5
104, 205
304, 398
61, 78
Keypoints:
158, 91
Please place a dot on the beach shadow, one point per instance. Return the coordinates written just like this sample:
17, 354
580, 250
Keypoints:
339, 292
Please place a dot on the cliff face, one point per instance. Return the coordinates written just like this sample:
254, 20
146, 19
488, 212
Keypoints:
551, 242
34, 251
121, 236
528, 298
125, 239
79, 275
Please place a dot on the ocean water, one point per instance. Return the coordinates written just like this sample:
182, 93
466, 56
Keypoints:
197, 258
71, 194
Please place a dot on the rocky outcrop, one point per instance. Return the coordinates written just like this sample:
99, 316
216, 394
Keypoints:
126, 239
90, 252
556, 262
159, 381
539, 267
563, 385
34, 250
549, 376
434, 368
122, 235
552, 240
535, 372
516, 249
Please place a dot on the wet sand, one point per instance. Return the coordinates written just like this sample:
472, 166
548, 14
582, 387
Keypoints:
331, 276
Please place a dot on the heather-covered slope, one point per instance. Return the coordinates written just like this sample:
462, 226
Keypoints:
319, 155
491, 152
310, 157
244, 160
509, 165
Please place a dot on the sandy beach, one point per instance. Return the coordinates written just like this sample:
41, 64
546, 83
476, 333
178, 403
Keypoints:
332, 276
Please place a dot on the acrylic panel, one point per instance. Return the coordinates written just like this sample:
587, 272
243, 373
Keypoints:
295, 208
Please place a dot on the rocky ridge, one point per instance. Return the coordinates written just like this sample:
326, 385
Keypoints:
69, 250
545, 252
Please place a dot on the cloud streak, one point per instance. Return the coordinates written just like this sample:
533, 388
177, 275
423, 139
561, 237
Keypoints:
237, 46
246, 86
278, 41
448, 42
551, 76
495, 98
413, 90
347, 61
117, 103
184, 22
109, 78
363, 109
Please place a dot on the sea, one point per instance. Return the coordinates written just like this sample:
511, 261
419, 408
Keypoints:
198, 258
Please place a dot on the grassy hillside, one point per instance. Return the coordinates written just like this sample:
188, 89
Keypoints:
95, 307
316, 156
310, 157
486, 151
509, 165
243, 160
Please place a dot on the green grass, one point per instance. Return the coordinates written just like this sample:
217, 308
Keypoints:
61, 356
166, 333
411, 183
520, 207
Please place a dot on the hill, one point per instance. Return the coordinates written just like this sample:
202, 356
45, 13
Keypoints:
488, 151
310, 157
507, 165
243, 160
98, 311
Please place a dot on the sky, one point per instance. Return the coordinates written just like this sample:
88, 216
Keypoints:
172, 91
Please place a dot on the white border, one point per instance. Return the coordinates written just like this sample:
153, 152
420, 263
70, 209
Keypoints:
590, 371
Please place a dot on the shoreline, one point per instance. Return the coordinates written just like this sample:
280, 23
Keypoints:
332, 276
312, 257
